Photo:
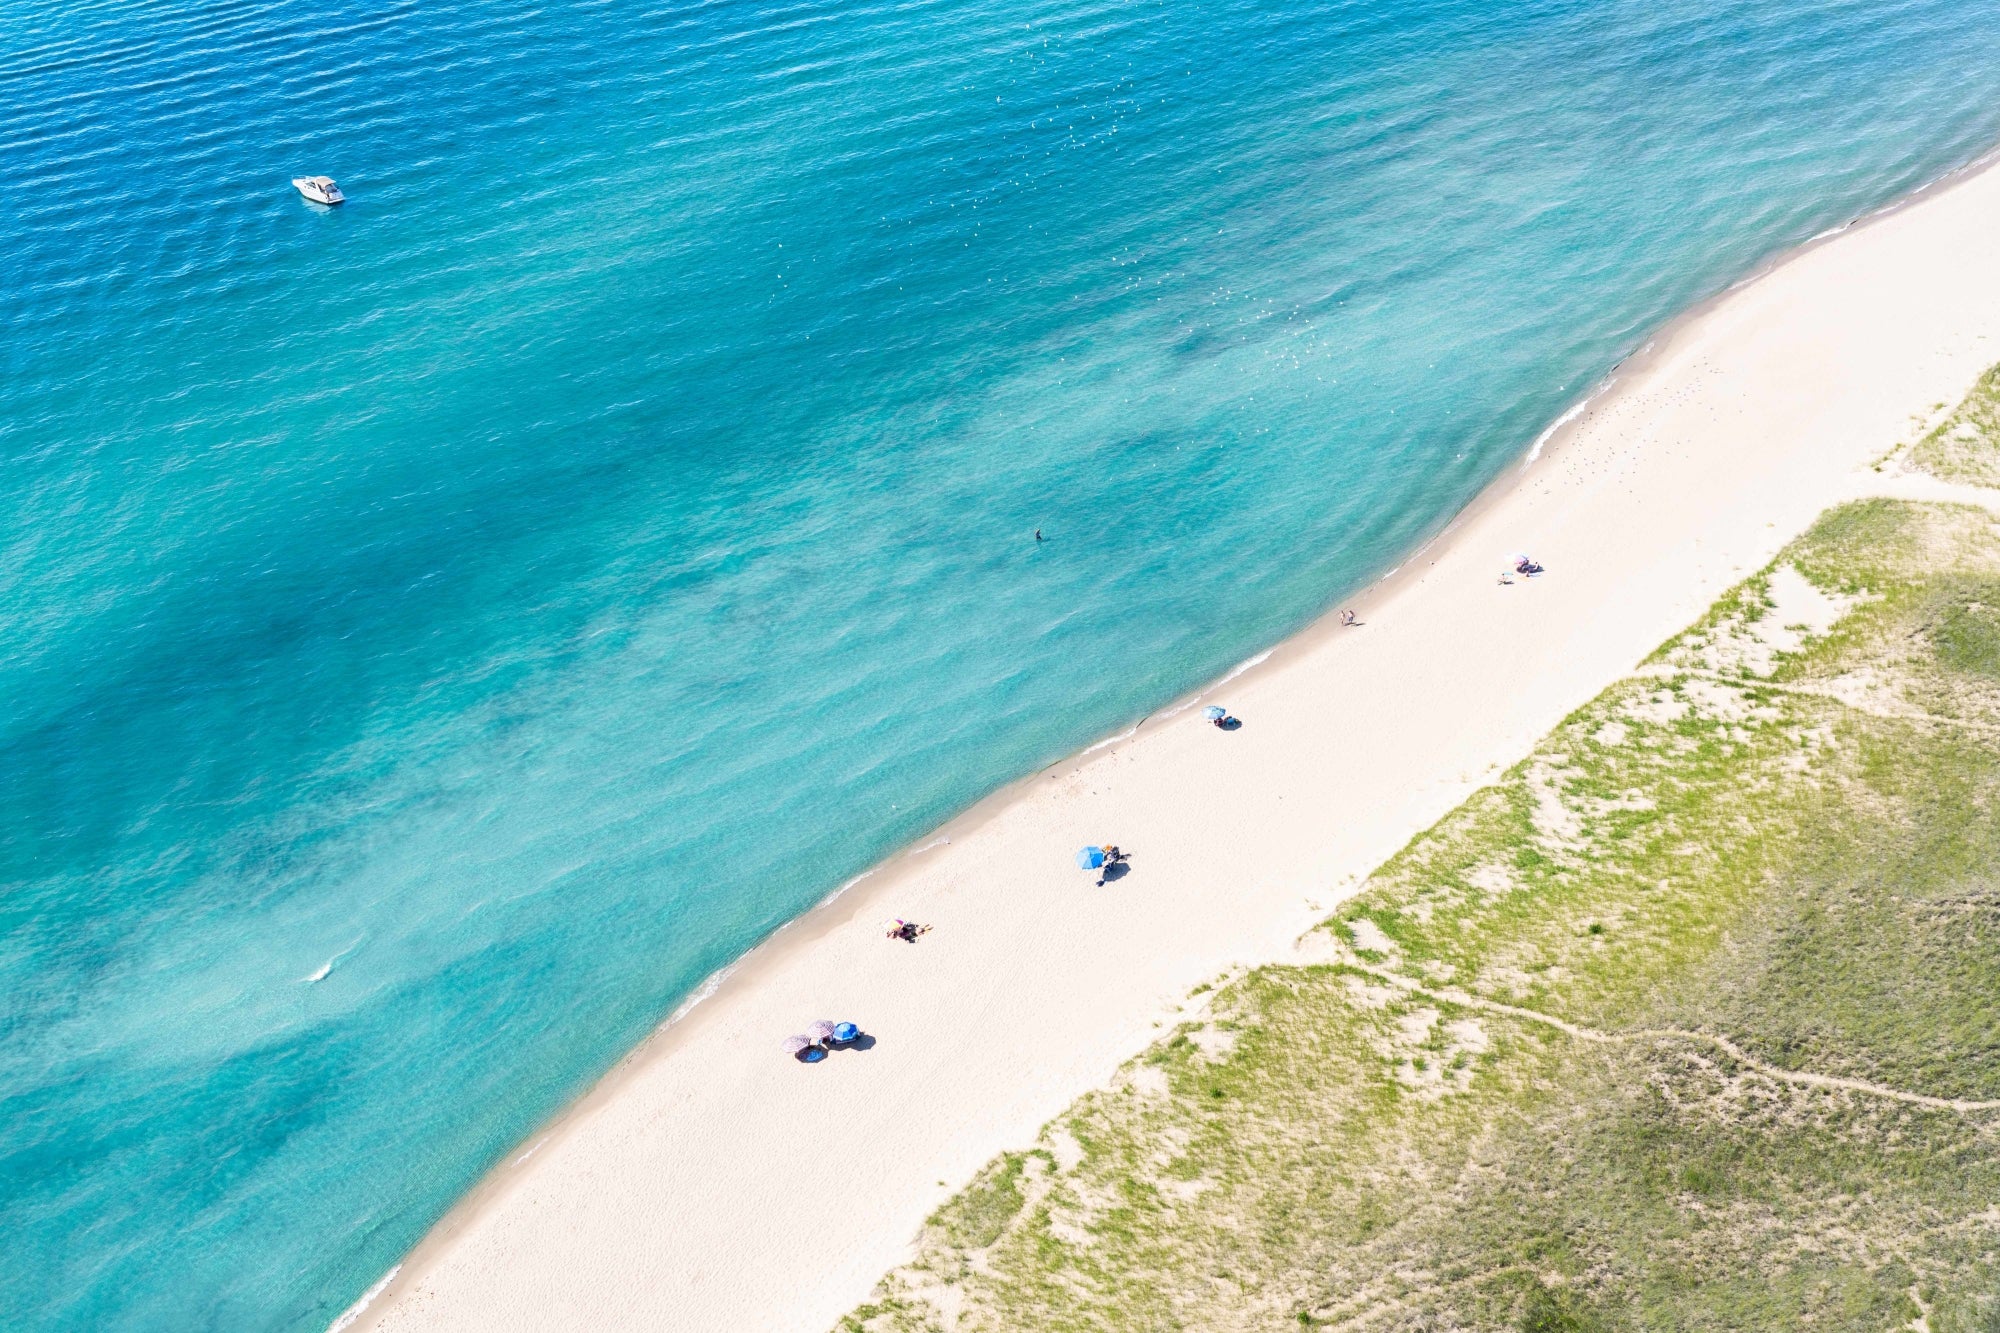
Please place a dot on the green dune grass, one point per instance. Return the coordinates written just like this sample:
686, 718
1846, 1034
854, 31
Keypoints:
1689, 1021
1965, 446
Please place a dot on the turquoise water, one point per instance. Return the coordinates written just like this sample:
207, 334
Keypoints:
434, 634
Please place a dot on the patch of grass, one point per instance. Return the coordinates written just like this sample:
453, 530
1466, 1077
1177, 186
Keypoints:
1783, 841
1546, 1311
975, 1217
1965, 446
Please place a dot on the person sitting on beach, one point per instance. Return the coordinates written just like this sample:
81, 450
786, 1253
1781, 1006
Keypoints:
1347, 618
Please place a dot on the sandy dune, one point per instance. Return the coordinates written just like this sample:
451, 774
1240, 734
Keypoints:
711, 1183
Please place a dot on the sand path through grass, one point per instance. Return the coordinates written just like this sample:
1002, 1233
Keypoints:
1801, 1078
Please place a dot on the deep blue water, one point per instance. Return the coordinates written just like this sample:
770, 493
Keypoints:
524, 587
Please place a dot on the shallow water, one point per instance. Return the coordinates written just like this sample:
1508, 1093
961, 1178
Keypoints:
435, 633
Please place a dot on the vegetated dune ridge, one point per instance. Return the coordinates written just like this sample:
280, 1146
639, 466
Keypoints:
712, 1183
1686, 1022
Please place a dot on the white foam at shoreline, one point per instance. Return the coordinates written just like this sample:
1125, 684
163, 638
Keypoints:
1125, 735
1245, 665
360, 1307
700, 993
843, 888
1576, 410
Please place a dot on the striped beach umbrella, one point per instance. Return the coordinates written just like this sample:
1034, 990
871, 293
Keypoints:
794, 1045
821, 1031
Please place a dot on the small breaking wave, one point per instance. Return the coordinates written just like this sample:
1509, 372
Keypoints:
1575, 411
1124, 735
843, 888
326, 968
1245, 665
698, 994
360, 1307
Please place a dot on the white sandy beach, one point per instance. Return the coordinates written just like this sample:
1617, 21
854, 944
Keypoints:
712, 1183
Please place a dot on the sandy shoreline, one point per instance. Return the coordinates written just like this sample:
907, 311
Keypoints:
709, 1183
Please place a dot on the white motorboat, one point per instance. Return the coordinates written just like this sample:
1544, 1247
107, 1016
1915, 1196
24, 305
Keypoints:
319, 189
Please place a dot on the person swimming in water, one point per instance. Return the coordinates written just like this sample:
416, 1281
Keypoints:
1038, 535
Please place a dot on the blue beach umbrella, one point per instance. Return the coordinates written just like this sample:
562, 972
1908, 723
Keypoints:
1215, 712
845, 1032
1090, 858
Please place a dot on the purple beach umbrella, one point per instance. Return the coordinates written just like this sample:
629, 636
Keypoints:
794, 1045
821, 1031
